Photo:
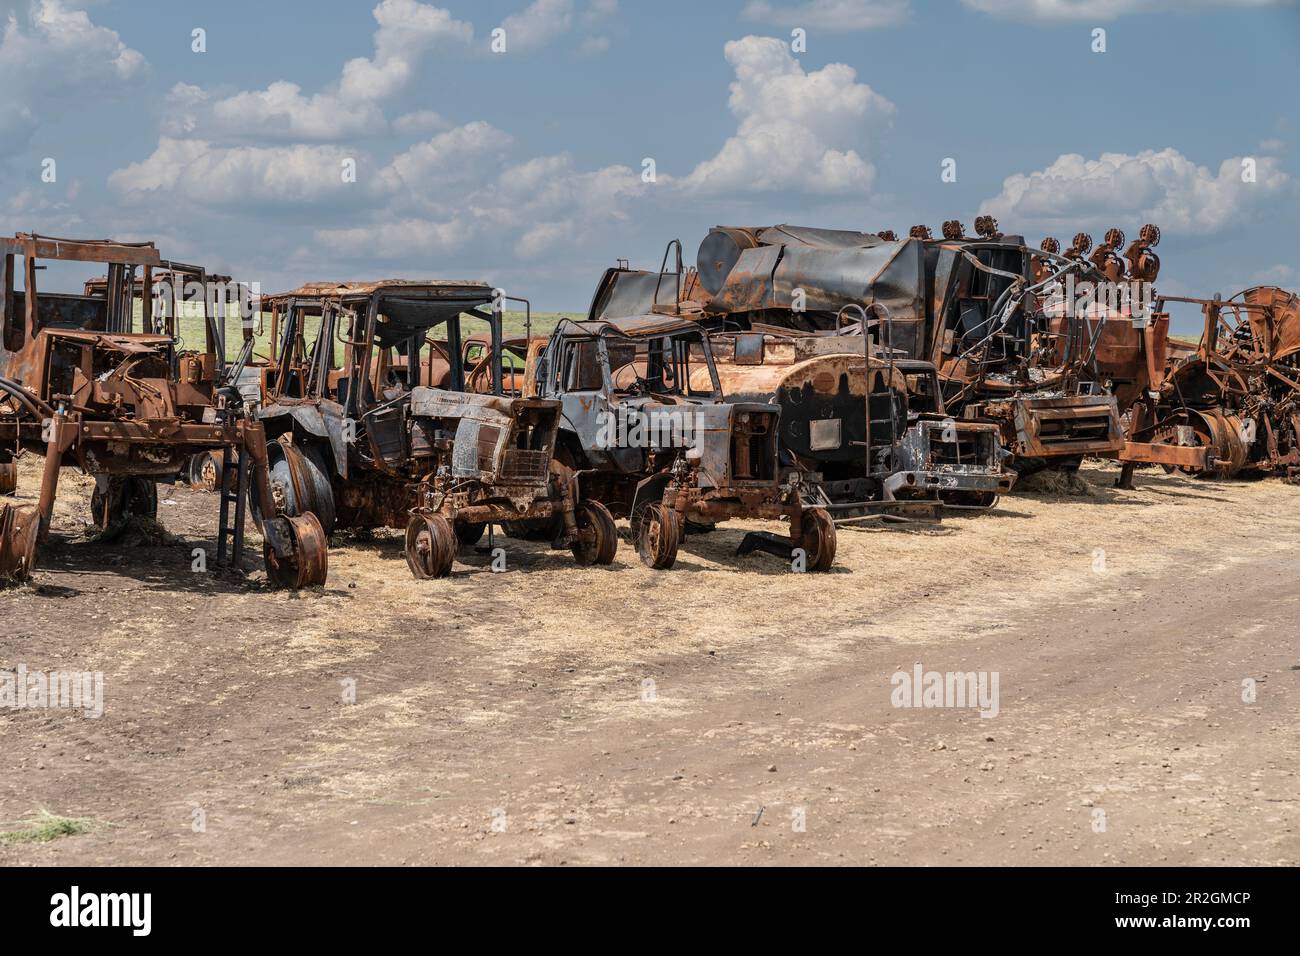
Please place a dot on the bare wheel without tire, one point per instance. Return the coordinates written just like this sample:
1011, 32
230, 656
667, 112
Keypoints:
430, 546
308, 563
597, 540
818, 539
658, 535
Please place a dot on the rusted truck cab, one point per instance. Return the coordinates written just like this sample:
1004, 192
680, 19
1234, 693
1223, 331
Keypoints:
646, 427
870, 429
372, 423
82, 385
812, 320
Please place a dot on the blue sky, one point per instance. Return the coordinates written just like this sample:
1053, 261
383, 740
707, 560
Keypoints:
525, 167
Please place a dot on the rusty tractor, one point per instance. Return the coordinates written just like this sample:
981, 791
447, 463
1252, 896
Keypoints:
81, 385
647, 431
373, 424
205, 469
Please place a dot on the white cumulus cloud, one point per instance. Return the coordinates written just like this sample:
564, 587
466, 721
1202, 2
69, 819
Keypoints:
217, 176
830, 14
801, 131
352, 106
1161, 186
538, 24
53, 57
1064, 10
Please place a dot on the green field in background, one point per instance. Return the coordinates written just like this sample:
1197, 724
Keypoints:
191, 328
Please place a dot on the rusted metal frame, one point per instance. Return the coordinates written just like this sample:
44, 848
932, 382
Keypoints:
322, 352
1158, 453
156, 431
47, 247
1290, 383
500, 513
363, 350
11, 321
62, 434
30, 295
677, 307
146, 298
285, 346
498, 353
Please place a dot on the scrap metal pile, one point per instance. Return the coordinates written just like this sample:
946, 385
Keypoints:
812, 375
1236, 397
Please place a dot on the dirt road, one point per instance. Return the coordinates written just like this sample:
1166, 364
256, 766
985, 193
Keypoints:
1144, 645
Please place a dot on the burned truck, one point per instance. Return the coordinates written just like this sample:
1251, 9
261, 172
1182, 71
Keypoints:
648, 432
358, 438
825, 326
1235, 399
971, 306
871, 428
80, 384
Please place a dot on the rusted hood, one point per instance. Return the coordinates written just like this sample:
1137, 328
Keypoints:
440, 403
129, 344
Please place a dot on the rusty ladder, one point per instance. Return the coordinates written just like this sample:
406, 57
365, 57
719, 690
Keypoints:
230, 536
892, 420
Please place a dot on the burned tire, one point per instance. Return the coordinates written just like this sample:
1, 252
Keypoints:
469, 533
430, 546
8, 478
597, 540
20, 529
116, 498
658, 535
308, 563
204, 473
818, 539
969, 499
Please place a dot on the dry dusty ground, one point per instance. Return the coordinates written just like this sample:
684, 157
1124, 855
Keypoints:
552, 714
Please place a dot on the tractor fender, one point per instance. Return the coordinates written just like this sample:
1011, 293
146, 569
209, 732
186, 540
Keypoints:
648, 491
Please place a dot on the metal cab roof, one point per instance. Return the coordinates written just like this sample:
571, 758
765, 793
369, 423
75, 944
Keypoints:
35, 246
475, 290
638, 326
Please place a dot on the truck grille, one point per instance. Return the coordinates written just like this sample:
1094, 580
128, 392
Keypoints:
1052, 431
753, 450
970, 447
